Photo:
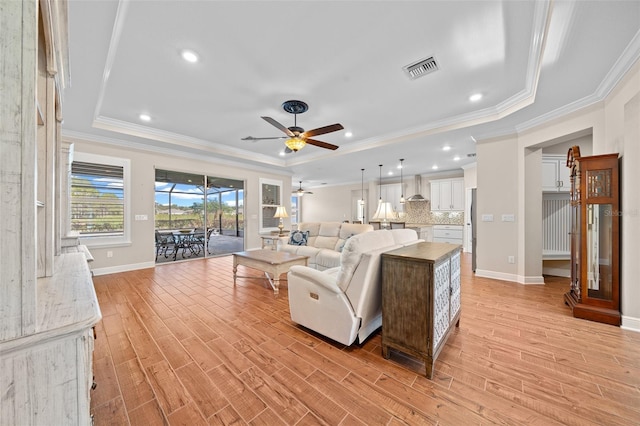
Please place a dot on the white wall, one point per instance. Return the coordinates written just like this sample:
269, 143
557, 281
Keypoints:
615, 126
141, 252
497, 194
333, 203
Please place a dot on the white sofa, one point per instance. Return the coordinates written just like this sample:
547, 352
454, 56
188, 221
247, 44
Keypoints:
325, 242
345, 303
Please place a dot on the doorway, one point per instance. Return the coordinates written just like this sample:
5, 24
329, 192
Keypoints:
197, 216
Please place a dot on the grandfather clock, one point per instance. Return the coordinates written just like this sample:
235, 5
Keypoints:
595, 237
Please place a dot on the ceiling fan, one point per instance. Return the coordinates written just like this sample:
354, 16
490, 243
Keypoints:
300, 192
297, 137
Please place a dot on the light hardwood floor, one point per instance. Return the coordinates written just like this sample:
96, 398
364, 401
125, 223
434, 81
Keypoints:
179, 344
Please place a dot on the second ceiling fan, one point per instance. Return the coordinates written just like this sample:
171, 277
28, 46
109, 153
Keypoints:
297, 136
300, 192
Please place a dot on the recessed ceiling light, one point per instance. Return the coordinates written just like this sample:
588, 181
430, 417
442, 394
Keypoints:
348, 135
281, 153
390, 173
189, 56
456, 158
435, 167
145, 117
475, 97
446, 148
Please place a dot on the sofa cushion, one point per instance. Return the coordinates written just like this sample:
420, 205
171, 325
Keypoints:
330, 229
324, 242
312, 228
326, 259
299, 238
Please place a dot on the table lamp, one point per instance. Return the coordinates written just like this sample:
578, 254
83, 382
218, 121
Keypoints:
281, 212
384, 213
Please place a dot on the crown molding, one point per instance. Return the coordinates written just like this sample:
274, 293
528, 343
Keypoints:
137, 130
620, 68
70, 136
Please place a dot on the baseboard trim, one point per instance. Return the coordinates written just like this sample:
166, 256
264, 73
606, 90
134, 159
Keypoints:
519, 279
535, 280
496, 275
557, 272
122, 268
630, 323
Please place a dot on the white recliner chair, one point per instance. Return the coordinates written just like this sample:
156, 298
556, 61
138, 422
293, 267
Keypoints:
345, 303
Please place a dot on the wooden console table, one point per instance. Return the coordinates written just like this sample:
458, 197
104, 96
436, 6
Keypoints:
420, 299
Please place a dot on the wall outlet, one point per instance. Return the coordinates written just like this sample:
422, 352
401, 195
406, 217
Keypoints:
109, 253
511, 259
508, 218
142, 217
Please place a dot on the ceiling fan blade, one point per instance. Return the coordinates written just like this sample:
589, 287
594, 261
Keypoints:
321, 144
278, 125
251, 138
322, 130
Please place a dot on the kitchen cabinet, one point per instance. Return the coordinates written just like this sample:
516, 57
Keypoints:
447, 234
391, 193
447, 194
424, 232
420, 299
555, 174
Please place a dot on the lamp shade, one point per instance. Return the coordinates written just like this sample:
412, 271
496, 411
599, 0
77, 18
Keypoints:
281, 212
384, 212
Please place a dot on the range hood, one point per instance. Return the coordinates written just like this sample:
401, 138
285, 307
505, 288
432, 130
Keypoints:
417, 196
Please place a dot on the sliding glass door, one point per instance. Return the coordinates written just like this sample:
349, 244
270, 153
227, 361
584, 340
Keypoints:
197, 215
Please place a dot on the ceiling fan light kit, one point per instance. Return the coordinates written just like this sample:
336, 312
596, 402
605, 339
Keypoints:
297, 137
295, 144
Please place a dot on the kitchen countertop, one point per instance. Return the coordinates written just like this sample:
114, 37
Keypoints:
424, 225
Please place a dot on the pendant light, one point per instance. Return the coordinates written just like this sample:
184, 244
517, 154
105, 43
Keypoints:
380, 185
401, 183
362, 196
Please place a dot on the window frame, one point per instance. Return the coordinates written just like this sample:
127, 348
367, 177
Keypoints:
273, 182
117, 240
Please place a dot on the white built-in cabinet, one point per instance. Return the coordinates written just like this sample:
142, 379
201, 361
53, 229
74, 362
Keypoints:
447, 194
555, 174
48, 305
447, 234
391, 193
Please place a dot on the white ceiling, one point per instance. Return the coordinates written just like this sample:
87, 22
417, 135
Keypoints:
531, 61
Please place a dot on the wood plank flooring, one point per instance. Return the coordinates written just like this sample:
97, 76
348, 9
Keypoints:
180, 345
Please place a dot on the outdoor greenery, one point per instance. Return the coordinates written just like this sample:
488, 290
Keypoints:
219, 216
94, 211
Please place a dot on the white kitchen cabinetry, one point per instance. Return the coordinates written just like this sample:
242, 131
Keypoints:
424, 232
447, 234
447, 195
391, 193
555, 174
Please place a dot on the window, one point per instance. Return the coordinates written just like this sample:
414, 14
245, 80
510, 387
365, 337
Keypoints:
99, 199
270, 199
295, 209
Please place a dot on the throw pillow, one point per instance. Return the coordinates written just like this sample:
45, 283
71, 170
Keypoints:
299, 238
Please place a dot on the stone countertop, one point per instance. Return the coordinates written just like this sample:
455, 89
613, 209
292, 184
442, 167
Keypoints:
422, 225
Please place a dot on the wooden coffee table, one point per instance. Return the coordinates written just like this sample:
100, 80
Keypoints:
272, 263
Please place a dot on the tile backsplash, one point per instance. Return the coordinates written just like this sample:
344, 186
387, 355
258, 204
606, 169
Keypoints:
420, 212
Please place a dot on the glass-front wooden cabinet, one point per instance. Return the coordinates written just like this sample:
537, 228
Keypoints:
595, 237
